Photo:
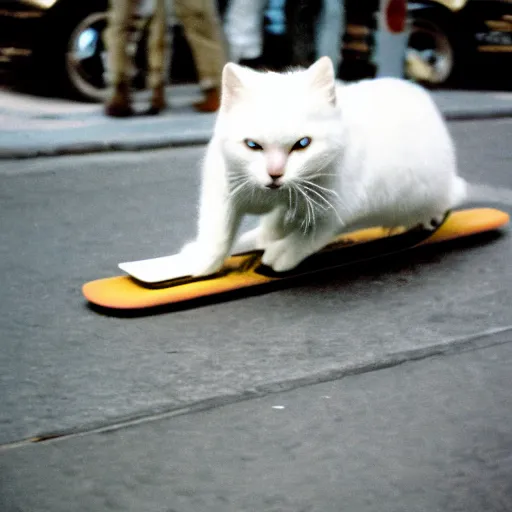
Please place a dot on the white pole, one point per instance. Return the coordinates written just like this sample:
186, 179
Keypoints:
391, 38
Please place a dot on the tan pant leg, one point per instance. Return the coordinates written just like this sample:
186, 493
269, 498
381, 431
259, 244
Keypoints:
158, 46
120, 17
203, 30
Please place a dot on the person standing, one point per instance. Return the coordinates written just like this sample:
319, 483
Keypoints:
243, 27
203, 30
315, 28
204, 33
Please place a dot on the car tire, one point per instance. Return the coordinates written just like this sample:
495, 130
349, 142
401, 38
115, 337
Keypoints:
434, 56
84, 58
69, 60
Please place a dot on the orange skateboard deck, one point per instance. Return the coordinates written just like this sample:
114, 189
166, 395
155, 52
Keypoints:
245, 271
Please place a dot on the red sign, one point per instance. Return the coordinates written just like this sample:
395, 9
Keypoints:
395, 14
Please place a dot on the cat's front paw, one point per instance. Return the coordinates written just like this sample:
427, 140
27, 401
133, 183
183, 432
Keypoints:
249, 241
201, 261
431, 224
282, 255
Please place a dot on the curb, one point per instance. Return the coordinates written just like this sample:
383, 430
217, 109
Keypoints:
477, 115
86, 148
200, 137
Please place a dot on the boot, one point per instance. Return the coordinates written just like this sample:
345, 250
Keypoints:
158, 101
211, 102
119, 103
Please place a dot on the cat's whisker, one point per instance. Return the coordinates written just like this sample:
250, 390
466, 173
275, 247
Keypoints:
289, 198
317, 171
316, 175
238, 187
296, 206
235, 177
309, 220
320, 187
324, 206
319, 191
236, 194
328, 204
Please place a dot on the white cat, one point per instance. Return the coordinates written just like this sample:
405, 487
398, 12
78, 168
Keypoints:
317, 158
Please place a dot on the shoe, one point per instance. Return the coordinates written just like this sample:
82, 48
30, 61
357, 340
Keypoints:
158, 101
211, 102
119, 104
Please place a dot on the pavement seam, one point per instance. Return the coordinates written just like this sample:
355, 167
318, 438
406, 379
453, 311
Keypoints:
476, 341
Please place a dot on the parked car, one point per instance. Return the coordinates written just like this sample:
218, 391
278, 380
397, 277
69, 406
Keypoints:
454, 38
59, 43
59, 40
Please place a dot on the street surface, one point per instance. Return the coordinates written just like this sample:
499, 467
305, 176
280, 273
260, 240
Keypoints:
384, 388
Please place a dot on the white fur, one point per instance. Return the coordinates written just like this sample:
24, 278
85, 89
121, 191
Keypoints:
380, 155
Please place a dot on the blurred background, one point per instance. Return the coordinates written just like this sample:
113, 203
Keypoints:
55, 47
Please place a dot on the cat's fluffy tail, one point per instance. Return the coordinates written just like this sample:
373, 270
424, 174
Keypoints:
459, 191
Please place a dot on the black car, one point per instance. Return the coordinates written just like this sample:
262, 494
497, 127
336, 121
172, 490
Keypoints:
59, 40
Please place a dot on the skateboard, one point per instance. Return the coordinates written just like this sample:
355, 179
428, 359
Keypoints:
149, 286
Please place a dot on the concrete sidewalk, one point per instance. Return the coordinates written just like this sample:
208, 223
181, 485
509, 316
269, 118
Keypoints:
32, 126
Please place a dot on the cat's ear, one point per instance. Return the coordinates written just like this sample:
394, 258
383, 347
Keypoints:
234, 78
322, 78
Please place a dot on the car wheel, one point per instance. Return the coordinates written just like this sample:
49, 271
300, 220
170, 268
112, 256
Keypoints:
85, 58
432, 49
69, 54
86, 55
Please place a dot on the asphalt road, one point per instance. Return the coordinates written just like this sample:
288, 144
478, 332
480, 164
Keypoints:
176, 412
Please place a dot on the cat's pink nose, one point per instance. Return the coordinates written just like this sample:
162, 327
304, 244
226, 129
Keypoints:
275, 174
276, 163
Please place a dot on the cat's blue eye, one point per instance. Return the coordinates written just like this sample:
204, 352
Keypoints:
252, 145
302, 143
